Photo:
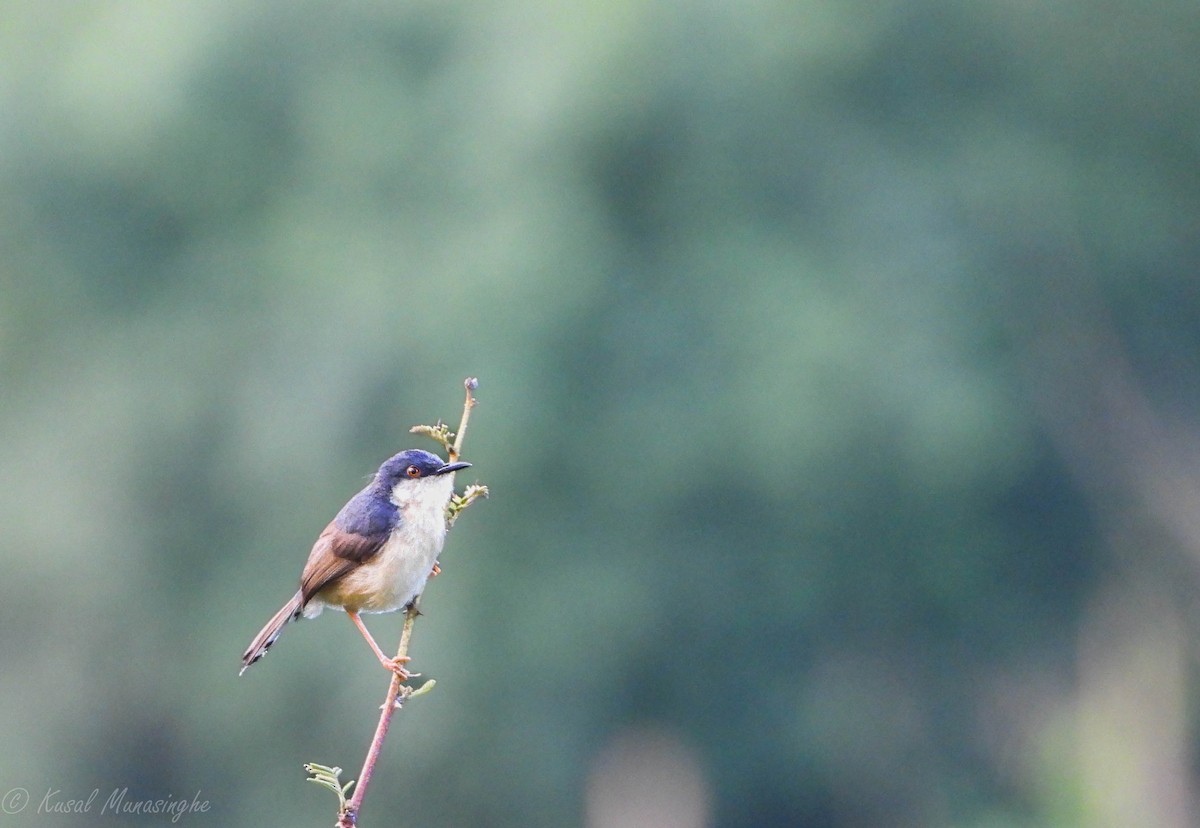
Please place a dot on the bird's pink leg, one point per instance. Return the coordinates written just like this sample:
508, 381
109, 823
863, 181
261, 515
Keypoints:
395, 665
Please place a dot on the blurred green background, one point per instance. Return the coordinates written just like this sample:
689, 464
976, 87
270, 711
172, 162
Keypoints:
839, 405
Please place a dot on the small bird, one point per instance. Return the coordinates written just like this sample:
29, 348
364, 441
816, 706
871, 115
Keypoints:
377, 554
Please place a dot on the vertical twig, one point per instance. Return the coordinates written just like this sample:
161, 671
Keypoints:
397, 688
470, 384
398, 691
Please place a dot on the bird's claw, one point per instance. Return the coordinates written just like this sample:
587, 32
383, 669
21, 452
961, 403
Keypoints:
436, 571
396, 665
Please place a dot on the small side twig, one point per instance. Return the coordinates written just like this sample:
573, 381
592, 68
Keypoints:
452, 441
398, 691
330, 778
458, 502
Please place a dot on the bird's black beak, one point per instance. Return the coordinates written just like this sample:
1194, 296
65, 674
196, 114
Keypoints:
452, 467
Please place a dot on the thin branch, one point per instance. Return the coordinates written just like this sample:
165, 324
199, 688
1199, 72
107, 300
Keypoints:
398, 691
470, 383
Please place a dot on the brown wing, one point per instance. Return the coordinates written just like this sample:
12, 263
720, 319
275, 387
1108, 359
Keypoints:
336, 553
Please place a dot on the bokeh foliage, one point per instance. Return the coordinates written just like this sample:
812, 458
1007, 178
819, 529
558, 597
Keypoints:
838, 400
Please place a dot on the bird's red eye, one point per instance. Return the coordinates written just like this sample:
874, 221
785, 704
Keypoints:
413, 471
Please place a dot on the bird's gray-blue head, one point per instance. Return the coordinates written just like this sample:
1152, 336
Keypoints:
416, 475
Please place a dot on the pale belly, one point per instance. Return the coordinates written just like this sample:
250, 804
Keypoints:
395, 576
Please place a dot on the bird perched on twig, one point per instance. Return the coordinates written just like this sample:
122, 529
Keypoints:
377, 554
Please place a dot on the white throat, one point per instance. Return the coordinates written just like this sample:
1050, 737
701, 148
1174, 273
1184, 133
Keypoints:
424, 494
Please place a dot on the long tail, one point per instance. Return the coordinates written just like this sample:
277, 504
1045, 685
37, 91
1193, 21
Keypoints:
267, 635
